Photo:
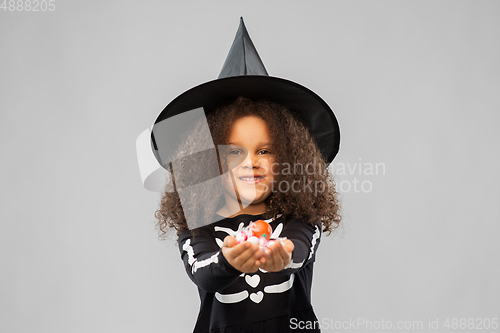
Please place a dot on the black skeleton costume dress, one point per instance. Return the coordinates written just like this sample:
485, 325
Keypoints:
232, 301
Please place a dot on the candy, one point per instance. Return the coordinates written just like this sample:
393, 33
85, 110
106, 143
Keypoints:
258, 233
253, 240
261, 228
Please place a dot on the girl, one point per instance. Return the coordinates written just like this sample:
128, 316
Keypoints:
241, 288
260, 151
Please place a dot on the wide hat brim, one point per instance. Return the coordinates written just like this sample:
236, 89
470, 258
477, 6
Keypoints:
311, 109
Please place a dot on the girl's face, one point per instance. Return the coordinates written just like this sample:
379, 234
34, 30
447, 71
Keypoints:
249, 160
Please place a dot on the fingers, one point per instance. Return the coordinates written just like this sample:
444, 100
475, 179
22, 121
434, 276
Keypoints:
238, 250
229, 241
235, 249
283, 251
243, 256
289, 245
277, 256
272, 259
248, 260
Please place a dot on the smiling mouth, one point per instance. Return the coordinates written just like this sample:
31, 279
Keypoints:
251, 180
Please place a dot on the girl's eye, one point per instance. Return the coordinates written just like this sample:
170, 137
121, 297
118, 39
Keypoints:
237, 152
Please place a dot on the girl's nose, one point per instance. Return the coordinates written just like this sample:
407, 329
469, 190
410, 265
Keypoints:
252, 160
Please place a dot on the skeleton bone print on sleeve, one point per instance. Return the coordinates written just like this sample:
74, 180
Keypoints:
204, 262
306, 240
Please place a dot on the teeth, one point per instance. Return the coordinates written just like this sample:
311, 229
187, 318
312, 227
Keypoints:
249, 178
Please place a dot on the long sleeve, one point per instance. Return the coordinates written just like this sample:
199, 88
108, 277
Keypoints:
306, 239
204, 262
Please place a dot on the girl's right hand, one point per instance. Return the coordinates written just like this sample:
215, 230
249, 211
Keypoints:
244, 256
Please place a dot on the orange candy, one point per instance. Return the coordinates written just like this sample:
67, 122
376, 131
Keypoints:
262, 228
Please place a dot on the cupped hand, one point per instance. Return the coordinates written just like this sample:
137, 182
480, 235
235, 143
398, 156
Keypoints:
244, 256
277, 256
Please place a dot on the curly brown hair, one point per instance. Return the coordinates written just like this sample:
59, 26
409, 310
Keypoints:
292, 145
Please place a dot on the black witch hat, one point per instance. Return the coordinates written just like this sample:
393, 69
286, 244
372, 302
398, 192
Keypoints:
244, 74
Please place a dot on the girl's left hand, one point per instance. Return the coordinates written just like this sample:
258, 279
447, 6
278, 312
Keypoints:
277, 256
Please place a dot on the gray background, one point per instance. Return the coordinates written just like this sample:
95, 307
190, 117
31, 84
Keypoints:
415, 85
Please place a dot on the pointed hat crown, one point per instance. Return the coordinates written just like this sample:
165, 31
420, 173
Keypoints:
243, 58
244, 75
